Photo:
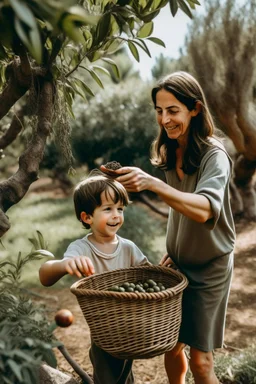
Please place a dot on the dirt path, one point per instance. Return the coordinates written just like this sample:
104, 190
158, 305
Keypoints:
240, 326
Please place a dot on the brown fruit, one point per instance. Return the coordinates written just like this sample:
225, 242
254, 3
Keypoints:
64, 318
112, 165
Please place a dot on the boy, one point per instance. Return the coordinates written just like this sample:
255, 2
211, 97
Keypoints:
99, 204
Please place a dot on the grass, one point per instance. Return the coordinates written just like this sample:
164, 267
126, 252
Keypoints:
55, 219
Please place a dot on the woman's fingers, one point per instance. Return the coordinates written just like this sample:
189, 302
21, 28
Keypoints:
166, 261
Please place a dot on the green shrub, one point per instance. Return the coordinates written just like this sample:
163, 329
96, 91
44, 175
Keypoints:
238, 367
235, 368
118, 124
26, 339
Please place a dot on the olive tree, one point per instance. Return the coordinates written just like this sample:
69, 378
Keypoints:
42, 45
222, 48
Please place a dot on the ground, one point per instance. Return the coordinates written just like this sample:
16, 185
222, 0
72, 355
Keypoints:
240, 325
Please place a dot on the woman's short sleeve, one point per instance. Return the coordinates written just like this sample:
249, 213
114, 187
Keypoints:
213, 181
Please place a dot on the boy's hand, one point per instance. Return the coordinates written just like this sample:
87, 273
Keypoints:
79, 266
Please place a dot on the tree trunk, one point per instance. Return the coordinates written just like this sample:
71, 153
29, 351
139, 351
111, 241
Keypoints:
244, 171
15, 188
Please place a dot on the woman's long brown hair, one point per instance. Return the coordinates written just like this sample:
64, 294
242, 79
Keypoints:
188, 91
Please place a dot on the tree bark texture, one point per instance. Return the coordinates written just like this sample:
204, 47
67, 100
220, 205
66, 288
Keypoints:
15, 188
222, 48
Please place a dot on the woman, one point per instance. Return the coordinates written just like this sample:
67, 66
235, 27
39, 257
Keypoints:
200, 231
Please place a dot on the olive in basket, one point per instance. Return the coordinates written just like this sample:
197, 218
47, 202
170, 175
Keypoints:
149, 286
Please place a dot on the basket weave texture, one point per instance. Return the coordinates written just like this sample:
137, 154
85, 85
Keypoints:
132, 325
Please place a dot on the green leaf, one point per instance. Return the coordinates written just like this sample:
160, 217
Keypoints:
103, 28
50, 358
156, 41
134, 50
146, 30
41, 240
31, 39
3, 54
23, 13
26, 375
94, 76
101, 69
160, 3
173, 6
34, 242
191, 4
194, 1
113, 65
184, 7
79, 16
41, 252
149, 16
23, 355
142, 45
15, 369
84, 87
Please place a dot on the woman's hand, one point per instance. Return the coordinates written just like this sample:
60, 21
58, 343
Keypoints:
79, 266
166, 261
132, 178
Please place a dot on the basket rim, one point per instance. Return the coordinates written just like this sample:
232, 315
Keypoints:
169, 292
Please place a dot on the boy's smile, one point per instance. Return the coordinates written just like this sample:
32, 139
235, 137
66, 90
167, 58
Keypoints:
106, 218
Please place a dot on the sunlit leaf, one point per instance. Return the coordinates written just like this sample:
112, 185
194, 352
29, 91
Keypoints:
113, 65
101, 69
23, 13
146, 30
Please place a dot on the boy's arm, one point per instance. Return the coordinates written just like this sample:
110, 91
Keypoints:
53, 270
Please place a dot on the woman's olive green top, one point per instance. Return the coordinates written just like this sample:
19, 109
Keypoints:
204, 251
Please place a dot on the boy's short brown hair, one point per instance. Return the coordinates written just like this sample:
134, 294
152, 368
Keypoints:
87, 194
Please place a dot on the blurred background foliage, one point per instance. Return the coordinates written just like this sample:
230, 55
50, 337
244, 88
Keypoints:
118, 123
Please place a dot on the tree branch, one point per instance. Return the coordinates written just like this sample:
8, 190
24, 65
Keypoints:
19, 75
14, 129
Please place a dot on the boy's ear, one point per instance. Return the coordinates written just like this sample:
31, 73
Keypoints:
197, 109
85, 218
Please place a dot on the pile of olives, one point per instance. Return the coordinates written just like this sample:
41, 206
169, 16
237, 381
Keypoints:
149, 286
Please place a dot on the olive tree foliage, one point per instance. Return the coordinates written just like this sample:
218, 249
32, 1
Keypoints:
42, 45
116, 125
222, 49
165, 65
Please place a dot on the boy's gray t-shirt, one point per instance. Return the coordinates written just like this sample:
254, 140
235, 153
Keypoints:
126, 255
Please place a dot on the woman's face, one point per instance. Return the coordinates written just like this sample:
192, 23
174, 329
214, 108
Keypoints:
173, 116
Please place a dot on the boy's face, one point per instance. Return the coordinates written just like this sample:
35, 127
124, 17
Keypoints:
109, 217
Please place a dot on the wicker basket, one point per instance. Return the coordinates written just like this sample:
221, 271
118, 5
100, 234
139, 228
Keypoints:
131, 325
